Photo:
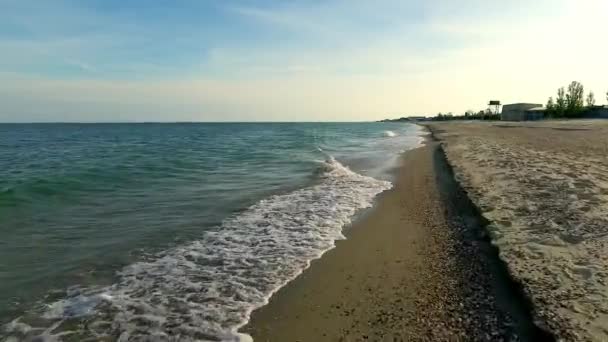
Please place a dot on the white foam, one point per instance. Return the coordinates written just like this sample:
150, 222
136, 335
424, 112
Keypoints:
207, 289
390, 134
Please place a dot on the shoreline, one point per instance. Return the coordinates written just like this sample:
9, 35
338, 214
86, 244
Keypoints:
404, 272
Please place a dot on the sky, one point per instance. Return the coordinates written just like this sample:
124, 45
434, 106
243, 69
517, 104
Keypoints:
291, 60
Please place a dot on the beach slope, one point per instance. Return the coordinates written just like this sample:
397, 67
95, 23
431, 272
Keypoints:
544, 188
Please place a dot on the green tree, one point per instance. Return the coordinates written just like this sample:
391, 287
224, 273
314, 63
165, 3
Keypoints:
560, 103
550, 110
590, 99
575, 99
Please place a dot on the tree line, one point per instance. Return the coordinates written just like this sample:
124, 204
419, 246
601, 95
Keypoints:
570, 102
468, 115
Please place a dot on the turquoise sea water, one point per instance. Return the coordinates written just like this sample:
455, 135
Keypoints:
173, 231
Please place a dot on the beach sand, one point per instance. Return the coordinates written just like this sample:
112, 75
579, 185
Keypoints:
544, 187
416, 267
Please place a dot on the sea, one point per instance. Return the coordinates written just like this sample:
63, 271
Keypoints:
174, 231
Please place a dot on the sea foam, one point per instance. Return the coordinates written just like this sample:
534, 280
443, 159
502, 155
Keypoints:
207, 289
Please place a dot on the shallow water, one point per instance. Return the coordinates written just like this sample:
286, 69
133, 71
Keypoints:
175, 231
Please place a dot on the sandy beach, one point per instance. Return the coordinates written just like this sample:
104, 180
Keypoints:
544, 188
416, 267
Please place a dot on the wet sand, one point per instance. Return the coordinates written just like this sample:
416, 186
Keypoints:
416, 267
544, 188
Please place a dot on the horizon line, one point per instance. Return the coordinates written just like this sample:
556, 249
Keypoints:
172, 122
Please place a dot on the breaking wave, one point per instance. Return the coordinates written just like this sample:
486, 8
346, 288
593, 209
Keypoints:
207, 289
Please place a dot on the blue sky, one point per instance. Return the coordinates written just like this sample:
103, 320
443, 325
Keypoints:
207, 60
176, 39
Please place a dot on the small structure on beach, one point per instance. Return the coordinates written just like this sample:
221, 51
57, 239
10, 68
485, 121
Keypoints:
494, 106
596, 112
522, 112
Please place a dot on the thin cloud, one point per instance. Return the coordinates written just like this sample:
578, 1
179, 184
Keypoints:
332, 60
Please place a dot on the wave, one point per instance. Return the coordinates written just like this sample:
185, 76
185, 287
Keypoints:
9, 198
207, 289
39, 189
390, 134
